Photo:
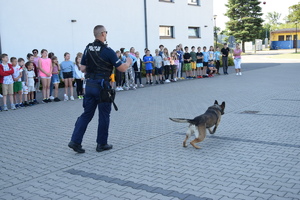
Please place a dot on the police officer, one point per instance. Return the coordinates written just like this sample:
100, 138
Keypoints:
97, 62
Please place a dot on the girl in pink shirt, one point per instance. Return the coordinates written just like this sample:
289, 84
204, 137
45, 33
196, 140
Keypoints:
45, 72
237, 59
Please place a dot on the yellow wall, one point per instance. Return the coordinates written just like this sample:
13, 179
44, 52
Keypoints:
274, 36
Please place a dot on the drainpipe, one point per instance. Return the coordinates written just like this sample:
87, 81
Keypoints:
146, 26
0, 46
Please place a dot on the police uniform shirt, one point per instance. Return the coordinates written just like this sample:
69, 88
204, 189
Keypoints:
107, 54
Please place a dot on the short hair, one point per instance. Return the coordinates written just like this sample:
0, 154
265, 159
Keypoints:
225, 43
65, 54
12, 59
79, 54
3, 55
50, 55
161, 45
27, 63
147, 50
29, 55
35, 50
43, 50
122, 50
98, 30
186, 47
21, 59
193, 47
204, 47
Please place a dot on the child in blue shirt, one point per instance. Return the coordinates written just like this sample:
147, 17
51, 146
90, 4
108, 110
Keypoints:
148, 60
211, 69
217, 59
205, 61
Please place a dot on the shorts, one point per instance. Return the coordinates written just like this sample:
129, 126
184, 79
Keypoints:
18, 86
68, 75
149, 71
158, 71
7, 89
25, 88
210, 60
205, 64
46, 77
84, 83
237, 63
187, 66
31, 89
193, 65
55, 79
199, 64
112, 78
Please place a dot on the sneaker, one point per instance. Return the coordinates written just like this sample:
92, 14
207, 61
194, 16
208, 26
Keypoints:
182, 78
237, 74
22, 105
5, 108
161, 82
240, 73
104, 147
71, 98
51, 97
56, 99
1, 96
126, 88
141, 85
76, 147
167, 81
13, 107
26, 104
117, 89
156, 82
35, 101
147, 83
17, 106
121, 89
66, 98
49, 100
0, 109
172, 80
45, 101
31, 104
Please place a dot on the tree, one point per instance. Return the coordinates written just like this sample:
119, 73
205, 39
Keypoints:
273, 18
245, 20
294, 15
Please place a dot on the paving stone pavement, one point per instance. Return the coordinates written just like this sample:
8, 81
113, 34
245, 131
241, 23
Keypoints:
255, 153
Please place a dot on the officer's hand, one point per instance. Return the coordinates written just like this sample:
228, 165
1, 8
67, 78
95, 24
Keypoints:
129, 60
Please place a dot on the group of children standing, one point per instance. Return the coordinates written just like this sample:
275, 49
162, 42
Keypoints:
20, 80
165, 67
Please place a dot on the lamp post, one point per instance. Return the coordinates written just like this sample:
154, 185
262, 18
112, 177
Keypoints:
296, 37
215, 31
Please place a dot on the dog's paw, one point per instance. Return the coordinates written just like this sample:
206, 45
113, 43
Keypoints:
184, 144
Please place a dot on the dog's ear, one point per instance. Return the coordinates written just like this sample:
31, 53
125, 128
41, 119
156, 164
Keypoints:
223, 104
216, 102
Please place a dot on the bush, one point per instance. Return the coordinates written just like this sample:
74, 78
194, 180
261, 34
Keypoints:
230, 61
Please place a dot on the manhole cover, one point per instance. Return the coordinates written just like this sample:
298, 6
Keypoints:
249, 112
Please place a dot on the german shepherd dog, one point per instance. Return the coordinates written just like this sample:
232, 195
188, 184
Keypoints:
198, 125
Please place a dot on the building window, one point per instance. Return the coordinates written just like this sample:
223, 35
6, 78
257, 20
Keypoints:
170, 1
280, 37
194, 2
289, 37
194, 32
166, 32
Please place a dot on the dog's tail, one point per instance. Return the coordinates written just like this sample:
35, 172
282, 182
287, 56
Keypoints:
182, 120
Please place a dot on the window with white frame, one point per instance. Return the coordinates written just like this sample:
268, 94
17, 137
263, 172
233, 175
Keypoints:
166, 32
194, 2
194, 32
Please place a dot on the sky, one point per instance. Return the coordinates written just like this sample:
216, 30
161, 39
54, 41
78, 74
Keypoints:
280, 6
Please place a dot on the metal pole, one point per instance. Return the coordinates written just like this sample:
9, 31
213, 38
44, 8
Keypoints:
296, 37
216, 31
146, 24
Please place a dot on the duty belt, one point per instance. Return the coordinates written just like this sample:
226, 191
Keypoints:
104, 76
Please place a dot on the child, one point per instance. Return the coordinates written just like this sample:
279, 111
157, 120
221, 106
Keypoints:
211, 69
199, 65
79, 77
17, 82
137, 66
211, 54
205, 62
30, 58
193, 62
176, 63
6, 72
119, 75
67, 74
45, 73
187, 63
148, 60
217, 59
158, 62
129, 83
55, 79
30, 82
21, 63
172, 65
166, 63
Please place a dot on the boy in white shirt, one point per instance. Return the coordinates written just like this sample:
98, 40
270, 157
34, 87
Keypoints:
17, 82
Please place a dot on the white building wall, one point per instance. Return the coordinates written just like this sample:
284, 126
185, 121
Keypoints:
25, 25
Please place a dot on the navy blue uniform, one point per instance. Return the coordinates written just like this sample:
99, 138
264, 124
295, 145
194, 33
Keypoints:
97, 77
